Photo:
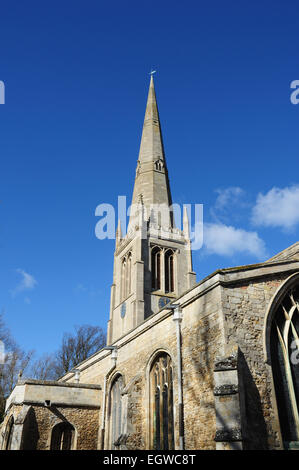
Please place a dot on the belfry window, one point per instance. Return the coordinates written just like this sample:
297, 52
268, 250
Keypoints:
162, 268
62, 436
169, 271
126, 276
123, 279
115, 412
156, 268
284, 345
161, 404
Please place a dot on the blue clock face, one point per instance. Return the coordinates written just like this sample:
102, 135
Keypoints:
123, 310
163, 301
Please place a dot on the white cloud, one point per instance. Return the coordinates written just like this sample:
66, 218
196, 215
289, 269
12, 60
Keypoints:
26, 283
279, 207
227, 240
229, 205
90, 290
81, 288
228, 196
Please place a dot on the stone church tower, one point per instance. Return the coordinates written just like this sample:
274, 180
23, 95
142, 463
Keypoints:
153, 262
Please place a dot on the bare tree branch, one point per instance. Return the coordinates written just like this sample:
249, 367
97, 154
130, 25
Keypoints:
75, 348
79, 346
15, 360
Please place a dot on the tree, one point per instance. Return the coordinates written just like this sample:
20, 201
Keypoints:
79, 346
44, 368
74, 349
13, 360
5, 335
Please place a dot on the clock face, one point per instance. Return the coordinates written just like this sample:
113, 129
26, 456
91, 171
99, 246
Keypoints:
123, 310
163, 301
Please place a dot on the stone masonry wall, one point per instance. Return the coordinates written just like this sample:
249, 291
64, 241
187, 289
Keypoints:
202, 341
202, 338
84, 420
228, 308
3, 426
37, 434
245, 307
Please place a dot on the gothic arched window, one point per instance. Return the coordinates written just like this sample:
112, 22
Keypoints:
156, 268
161, 404
115, 412
62, 436
126, 274
169, 271
8, 434
284, 345
123, 280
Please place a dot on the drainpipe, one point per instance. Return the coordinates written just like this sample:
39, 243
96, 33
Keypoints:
177, 318
113, 350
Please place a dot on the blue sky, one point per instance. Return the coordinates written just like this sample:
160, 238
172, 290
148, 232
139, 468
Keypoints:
76, 78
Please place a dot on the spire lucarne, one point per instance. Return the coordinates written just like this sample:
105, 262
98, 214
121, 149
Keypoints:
152, 261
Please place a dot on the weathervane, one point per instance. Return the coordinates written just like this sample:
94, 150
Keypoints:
152, 72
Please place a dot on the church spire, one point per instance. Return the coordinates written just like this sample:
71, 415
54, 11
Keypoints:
151, 147
151, 182
152, 261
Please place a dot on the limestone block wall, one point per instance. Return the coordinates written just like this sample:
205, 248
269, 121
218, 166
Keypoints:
37, 406
202, 339
245, 306
36, 434
227, 308
36, 392
3, 426
84, 420
134, 355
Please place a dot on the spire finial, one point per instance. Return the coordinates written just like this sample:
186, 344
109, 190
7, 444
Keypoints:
152, 72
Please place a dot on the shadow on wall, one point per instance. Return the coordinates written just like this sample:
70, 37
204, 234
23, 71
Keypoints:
30, 431
198, 354
253, 424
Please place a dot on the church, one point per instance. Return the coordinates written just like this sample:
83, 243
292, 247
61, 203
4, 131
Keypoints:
209, 364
